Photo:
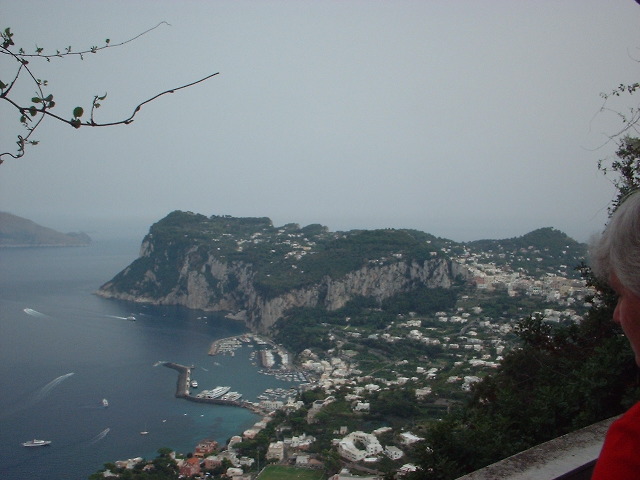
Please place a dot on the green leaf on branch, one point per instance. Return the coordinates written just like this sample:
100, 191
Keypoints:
78, 112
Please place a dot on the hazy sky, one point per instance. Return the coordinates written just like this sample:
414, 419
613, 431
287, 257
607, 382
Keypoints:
467, 119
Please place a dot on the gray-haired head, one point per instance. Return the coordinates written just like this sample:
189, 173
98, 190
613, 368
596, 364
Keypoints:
617, 250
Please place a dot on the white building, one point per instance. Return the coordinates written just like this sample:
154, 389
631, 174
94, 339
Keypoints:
346, 475
407, 468
408, 438
394, 453
271, 404
347, 448
275, 451
303, 441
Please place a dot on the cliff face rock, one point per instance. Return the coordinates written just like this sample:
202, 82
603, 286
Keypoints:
233, 290
201, 278
377, 282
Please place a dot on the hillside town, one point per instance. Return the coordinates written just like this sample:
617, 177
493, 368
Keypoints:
460, 346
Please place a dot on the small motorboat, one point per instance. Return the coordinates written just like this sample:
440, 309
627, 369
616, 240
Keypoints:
105, 402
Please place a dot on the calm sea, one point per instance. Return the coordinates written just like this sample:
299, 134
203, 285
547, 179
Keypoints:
70, 349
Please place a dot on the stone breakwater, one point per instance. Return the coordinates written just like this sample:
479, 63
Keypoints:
182, 390
184, 377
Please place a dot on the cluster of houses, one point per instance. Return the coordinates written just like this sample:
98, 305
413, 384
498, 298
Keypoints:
554, 286
352, 447
206, 456
477, 344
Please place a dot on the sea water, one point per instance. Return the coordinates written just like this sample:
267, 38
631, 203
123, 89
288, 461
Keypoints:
63, 350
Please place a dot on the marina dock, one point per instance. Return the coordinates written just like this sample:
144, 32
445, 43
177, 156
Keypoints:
182, 390
227, 346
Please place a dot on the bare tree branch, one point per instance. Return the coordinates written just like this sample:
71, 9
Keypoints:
32, 115
68, 52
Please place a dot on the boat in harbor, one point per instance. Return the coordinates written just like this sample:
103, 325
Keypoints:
36, 443
194, 384
215, 393
231, 396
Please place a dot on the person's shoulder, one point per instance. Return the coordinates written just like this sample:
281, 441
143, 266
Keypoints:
619, 459
632, 415
627, 427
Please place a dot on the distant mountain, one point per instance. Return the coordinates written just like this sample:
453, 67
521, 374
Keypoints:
19, 232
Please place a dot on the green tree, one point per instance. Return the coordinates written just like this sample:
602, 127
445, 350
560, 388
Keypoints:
626, 167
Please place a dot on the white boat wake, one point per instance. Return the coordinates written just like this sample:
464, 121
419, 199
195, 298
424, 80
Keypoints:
50, 386
100, 436
116, 316
37, 397
34, 313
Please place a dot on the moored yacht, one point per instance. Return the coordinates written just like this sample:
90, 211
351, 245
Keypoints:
231, 396
36, 443
215, 393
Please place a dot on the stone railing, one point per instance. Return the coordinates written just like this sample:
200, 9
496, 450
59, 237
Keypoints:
570, 457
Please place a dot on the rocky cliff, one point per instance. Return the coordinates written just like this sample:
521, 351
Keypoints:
224, 270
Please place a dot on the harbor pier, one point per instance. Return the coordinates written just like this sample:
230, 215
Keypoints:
184, 377
182, 391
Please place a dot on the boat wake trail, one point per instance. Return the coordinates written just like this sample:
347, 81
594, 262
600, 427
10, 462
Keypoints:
44, 391
35, 313
33, 399
116, 316
100, 436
